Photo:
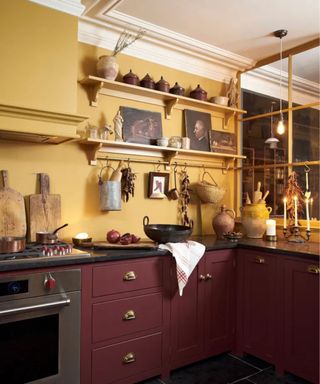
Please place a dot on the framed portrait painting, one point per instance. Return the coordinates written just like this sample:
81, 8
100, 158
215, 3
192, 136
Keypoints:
158, 185
198, 126
223, 142
141, 126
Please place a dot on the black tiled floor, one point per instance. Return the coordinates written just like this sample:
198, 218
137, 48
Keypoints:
228, 369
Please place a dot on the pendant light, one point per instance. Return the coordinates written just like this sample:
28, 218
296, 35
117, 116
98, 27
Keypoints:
272, 141
281, 126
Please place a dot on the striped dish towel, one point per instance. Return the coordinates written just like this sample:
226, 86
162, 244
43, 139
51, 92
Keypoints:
187, 255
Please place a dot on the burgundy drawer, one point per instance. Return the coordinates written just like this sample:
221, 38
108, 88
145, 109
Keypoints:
127, 276
119, 361
126, 316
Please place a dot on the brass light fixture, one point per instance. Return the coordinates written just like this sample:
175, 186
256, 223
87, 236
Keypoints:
281, 125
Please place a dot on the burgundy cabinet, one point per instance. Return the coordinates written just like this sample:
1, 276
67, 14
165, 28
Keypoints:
123, 321
301, 318
202, 319
257, 299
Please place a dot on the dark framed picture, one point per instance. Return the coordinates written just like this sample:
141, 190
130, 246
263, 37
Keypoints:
223, 142
140, 126
198, 126
158, 185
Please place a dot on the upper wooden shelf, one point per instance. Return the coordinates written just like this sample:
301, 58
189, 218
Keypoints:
97, 85
168, 153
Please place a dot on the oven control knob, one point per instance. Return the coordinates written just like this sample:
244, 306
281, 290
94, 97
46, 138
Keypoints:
14, 287
50, 282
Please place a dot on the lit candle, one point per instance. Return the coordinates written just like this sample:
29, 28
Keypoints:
285, 213
311, 208
307, 213
81, 236
271, 227
295, 211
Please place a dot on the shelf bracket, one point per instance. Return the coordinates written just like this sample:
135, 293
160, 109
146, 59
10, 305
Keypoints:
226, 166
169, 157
94, 93
169, 105
91, 151
227, 117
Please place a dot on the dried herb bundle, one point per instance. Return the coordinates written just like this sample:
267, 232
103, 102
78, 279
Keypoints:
293, 189
126, 39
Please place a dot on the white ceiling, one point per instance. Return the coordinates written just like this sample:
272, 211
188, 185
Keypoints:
242, 29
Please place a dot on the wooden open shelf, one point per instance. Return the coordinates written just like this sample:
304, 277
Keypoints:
97, 86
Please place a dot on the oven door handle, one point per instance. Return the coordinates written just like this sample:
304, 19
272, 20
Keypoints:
54, 304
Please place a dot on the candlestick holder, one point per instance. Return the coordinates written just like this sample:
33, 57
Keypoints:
295, 235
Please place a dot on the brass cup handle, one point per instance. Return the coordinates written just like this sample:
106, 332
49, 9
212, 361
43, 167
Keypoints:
129, 358
129, 315
208, 276
314, 269
129, 276
202, 277
259, 260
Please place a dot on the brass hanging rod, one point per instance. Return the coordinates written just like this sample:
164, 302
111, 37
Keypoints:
167, 163
279, 165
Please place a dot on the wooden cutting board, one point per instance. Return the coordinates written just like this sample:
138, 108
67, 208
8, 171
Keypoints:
12, 210
141, 245
45, 209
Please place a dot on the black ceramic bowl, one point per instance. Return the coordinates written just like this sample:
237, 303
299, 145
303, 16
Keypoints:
166, 233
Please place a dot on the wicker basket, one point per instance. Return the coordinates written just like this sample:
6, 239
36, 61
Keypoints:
208, 192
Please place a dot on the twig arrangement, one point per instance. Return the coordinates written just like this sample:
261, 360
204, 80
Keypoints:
126, 39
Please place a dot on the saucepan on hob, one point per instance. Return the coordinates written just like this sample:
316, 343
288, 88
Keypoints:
12, 244
48, 237
166, 233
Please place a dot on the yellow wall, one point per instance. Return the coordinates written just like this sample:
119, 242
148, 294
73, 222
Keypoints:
66, 164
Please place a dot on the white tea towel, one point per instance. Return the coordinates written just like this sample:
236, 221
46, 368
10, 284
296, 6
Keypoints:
187, 255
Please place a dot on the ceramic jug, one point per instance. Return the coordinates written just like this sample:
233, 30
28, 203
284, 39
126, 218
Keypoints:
253, 217
223, 222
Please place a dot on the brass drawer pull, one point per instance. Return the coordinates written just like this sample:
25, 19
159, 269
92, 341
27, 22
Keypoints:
129, 315
129, 358
259, 260
314, 269
129, 276
208, 276
201, 277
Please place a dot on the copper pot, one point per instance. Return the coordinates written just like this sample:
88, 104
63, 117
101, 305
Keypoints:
147, 82
131, 78
48, 237
11, 244
199, 93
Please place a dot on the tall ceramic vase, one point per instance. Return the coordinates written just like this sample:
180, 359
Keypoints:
107, 67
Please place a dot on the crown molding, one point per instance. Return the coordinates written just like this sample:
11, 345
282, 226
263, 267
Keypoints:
72, 7
266, 81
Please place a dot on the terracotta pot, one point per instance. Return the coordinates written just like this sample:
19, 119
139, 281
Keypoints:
107, 67
253, 217
223, 222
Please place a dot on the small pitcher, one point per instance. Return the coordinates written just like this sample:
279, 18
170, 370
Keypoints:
223, 222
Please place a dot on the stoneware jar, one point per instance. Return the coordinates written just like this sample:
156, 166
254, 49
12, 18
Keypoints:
131, 78
147, 82
199, 93
253, 217
177, 90
162, 85
223, 222
107, 67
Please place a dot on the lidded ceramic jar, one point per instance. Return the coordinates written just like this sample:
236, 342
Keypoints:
199, 93
147, 82
177, 90
162, 85
131, 78
107, 67
223, 222
253, 218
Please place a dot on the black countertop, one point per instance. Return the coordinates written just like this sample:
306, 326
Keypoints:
307, 250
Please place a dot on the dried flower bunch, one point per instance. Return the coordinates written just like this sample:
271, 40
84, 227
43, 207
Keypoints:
126, 39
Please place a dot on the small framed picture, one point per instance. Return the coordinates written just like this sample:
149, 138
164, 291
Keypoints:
198, 126
223, 142
158, 185
141, 126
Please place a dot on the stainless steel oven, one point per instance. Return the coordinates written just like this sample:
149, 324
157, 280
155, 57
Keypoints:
40, 328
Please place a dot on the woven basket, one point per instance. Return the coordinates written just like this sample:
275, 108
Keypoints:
208, 192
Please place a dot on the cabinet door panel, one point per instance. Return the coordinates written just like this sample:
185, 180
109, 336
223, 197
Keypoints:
187, 321
219, 301
125, 316
259, 305
301, 311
